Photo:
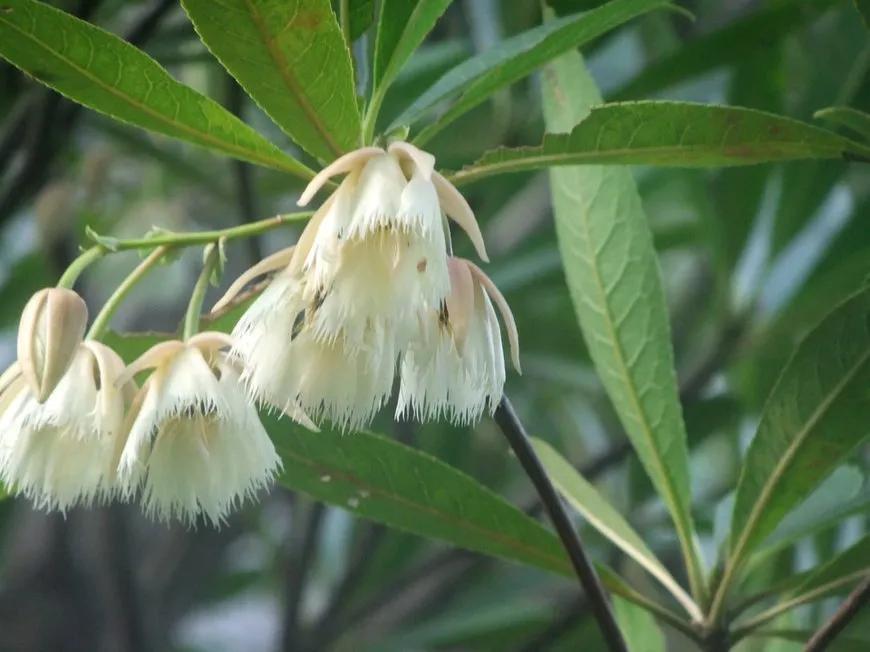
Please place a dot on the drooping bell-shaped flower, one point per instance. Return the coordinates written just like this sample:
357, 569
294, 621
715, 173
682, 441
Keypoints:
326, 334
375, 254
195, 444
52, 327
286, 366
63, 451
455, 367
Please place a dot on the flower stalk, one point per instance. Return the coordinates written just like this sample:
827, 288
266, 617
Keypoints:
70, 276
101, 321
194, 307
516, 435
856, 600
247, 230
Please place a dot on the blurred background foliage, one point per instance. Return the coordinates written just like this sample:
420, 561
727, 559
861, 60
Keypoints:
752, 258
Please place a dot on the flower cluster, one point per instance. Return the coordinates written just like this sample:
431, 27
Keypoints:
370, 290
74, 428
368, 293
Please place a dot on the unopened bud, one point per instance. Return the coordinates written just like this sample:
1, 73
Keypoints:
51, 329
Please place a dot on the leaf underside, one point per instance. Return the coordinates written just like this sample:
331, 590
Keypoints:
613, 275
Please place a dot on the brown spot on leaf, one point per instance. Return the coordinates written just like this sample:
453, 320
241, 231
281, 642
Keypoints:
421, 266
307, 20
740, 151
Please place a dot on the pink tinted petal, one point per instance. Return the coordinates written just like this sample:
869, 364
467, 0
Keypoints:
457, 208
504, 309
460, 301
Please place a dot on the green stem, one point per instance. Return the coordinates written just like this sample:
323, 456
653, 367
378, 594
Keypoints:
778, 609
76, 267
717, 606
206, 237
101, 321
194, 307
371, 117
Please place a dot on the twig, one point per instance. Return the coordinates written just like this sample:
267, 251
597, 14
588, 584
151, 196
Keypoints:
513, 430
298, 572
841, 618
243, 171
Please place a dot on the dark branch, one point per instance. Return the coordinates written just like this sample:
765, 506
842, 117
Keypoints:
841, 619
298, 572
599, 605
243, 172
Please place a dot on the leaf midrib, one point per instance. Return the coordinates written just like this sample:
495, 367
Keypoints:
203, 135
600, 157
551, 562
786, 459
290, 79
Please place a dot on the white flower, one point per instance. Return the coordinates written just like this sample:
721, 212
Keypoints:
288, 367
63, 452
455, 368
376, 254
325, 336
196, 444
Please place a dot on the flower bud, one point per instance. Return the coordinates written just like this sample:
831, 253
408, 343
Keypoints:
52, 327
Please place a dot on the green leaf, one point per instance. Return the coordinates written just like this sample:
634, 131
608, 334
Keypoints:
677, 134
361, 16
380, 479
736, 41
833, 578
516, 57
641, 632
402, 26
817, 413
756, 80
837, 498
292, 60
851, 642
99, 70
863, 7
847, 567
845, 116
615, 282
583, 497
